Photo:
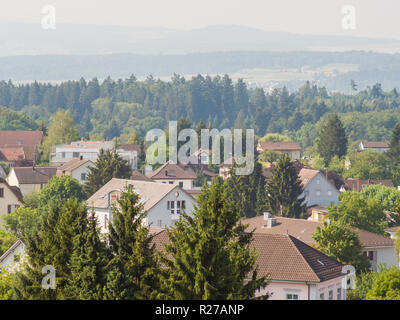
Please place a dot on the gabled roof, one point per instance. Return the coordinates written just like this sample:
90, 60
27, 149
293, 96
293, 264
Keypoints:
173, 171
282, 257
375, 144
150, 192
280, 146
11, 250
20, 138
71, 165
364, 183
15, 190
304, 230
9, 154
306, 175
130, 147
34, 175
136, 175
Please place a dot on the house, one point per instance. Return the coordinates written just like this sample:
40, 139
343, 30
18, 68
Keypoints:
317, 189
201, 157
29, 179
378, 248
292, 149
225, 167
12, 258
358, 184
20, 148
10, 198
2, 173
297, 271
161, 201
136, 175
86, 150
175, 174
378, 146
77, 168
130, 153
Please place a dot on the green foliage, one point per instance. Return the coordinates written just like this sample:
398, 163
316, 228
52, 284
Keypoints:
23, 222
270, 156
340, 242
397, 242
364, 283
61, 130
284, 189
5, 167
6, 240
209, 254
387, 196
275, 137
369, 165
107, 166
12, 120
357, 211
386, 285
133, 270
247, 192
332, 140
6, 281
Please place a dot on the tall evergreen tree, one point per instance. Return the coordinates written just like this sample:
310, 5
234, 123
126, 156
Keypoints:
133, 270
284, 189
107, 166
394, 144
332, 140
209, 254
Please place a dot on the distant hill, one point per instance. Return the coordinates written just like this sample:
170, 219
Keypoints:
31, 39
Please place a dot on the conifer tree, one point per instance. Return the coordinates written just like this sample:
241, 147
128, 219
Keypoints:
394, 144
52, 246
284, 189
88, 264
108, 165
332, 140
133, 268
209, 255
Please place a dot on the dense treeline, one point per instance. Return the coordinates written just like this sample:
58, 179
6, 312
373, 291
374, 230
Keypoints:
118, 107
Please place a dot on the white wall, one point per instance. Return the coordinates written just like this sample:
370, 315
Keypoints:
8, 199
187, 184
82, 169
327, 192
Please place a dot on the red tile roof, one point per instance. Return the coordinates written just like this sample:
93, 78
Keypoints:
280, 146
375, 144
365, 183
20, 138
34, 175
173, 171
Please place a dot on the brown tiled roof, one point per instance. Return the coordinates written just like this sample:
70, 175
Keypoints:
304, 230
375, 144
20, 138
364, 183
280, 146
173, 171
34, 175
12, 154
71, 165
136, 175
130, 147
282, 257
15, 190
306, 175
392, 229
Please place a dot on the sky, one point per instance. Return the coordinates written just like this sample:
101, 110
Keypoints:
373, 18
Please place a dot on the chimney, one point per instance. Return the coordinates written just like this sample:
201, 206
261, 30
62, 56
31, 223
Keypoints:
271, 221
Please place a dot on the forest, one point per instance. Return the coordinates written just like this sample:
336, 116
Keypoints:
119, 108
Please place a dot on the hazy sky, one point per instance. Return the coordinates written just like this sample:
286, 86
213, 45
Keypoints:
374, 18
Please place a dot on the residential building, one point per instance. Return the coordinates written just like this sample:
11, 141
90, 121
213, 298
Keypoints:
175, 174
130, 153
359, 184
225, 167
317, 189
19, 148
77, 168
85, 150
12, 258
161, 201
136, 175
201, 157
378, 146
378, 248
10, 198
29, 179
292, 149
296, 270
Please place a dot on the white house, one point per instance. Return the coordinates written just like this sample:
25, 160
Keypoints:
318, 191
79, 149
161, 201
77, 168
292, 149
378, 146
10, 198
175, 174
130, 153
11, 259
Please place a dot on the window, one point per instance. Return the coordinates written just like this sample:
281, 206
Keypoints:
371, 255
168, 205
178, 204
75, 155
63, 155
171, 182
159, 223
181, 184
1, 192
330, 294
83, 176
183, 204
339, 293
321, 296
292, 296
172, 204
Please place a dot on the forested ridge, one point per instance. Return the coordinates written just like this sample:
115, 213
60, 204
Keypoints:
108, 109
